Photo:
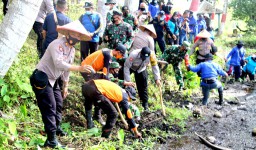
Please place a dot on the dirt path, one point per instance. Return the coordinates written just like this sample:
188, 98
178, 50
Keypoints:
233, 130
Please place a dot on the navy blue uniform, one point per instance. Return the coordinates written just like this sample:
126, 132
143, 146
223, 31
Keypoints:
50, 27
159, 26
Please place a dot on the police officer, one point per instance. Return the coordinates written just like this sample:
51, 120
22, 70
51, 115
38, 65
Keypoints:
160, 24
209, 73
92, 22
56, 63
137, 63
129, 18
102, 93
118, 32
174, 55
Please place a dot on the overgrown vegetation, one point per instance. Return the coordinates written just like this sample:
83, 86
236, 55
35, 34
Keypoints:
20, 122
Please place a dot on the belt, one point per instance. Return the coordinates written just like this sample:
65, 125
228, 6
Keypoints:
209, 80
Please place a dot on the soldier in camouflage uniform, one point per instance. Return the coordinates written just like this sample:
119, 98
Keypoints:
129, 18
174, 55
110, 4
118, 32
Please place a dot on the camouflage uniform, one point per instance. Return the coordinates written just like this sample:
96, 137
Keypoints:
174, 56
121, 33
130, 20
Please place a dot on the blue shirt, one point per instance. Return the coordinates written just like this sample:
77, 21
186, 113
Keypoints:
208, 69
50, 26
236, 56
183, 28
250, 66
87, 19
201, 24
153, 10
193, 25
172, 27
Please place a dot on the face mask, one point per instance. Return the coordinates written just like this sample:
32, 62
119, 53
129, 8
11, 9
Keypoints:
125, 13
107, 7
162, 18
142, 9
88, 12
115, 75
72, 41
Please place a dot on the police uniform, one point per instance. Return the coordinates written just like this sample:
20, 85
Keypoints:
160, 25
102, 93
121, 33
135, 64
174, 56
55, 64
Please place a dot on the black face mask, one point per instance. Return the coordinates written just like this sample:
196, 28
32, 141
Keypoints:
142, 9
239, 46
72, 41
115, 75
125, 13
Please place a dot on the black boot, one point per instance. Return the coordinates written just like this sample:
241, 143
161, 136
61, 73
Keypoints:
52, 141
106, 133
97, 115
60, 132
220, 97
145, 106
88, 116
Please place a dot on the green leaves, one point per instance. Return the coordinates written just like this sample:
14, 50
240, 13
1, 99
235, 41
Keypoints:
93, 132
23, 110
12, 128
120, 136
4, 90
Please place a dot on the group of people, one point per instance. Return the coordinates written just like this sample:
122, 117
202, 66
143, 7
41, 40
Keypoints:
129, 47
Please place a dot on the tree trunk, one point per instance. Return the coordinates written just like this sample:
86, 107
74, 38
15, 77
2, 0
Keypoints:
133, 5
214, 10
14, 30
224, 16
101, 8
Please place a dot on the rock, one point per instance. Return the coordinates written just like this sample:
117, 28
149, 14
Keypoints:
242, 107
197, 112
189, 106
254, 132
217, 114
211, 139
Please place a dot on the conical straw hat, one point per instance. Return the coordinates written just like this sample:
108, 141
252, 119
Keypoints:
204, 34
76, 30
150, 27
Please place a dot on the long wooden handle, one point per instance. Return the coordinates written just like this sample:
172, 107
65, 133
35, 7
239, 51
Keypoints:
121, 116
162, 102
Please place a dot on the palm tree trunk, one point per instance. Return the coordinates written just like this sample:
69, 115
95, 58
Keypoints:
224, 16
14, 30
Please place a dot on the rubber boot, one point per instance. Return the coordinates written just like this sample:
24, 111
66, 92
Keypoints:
60, 132
220, 97
88, 116
145, 106
106, 133
97, 115
52, 141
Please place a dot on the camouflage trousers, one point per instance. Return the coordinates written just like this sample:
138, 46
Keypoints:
178, 74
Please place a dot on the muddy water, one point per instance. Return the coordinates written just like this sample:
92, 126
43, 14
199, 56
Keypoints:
232, 131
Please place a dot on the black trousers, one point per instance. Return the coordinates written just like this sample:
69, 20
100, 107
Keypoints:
93, 96
161, 44
87, 48
5, 7
141, 80
38, 28
245, 73
50, 103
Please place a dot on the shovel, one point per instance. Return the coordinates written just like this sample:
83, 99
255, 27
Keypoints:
162, 102
121, 116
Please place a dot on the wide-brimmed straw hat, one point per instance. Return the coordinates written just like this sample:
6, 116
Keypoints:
150, 27
76, 30
204, 34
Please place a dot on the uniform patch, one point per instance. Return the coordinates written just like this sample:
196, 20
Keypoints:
61, 48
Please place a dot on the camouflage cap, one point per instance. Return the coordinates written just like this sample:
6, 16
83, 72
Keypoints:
116, 12
114, 65
186, 44
110, 2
